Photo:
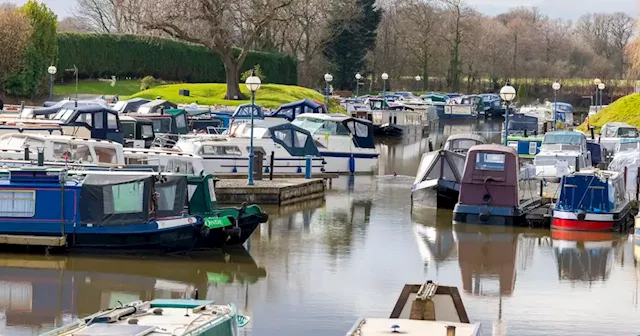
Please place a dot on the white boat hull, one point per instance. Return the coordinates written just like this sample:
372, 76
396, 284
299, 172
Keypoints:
340, 165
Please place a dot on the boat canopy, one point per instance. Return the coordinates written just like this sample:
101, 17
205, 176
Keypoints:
130, 105
596, 191
296, 140
103, 122
291, 110
564, 138
434, 97
628, 161
440, 164
618, 130
626, 144
520, 123
244, 111
463, 142
114, 199
360, 130
155, 106
54, 108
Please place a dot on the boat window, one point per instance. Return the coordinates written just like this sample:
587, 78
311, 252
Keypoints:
129, 129
287, 113
300, 139
85, 118
81, 153
627, 133
560, 138
99, 123
463, 144
284, 136
17, 203
220, 150
61, 150
181, 121
65, 116
106, 154
162, 125
112, 121
147, 131
629, 146
489, 161
257, 150
166, 196
310, 124
358, 129
125, 198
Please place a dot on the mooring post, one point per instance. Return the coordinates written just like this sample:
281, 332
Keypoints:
307, 168
541, 188
625, 178
271, 166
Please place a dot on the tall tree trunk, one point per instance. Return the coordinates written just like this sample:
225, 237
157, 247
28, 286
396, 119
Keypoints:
231, 70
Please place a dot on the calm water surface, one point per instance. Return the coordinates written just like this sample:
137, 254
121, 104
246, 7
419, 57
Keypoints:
314, 268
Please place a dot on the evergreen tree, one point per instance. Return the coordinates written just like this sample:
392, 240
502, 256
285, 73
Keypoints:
346, 52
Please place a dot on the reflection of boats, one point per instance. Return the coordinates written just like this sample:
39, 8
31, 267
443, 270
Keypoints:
484, 255
427, 309
156, 317
584, 256
35, 290
435, 240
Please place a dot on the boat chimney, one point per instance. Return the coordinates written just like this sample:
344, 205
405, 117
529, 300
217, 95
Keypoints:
451, 330
577, 164
525, 132
593, 134
41, 156
26, 153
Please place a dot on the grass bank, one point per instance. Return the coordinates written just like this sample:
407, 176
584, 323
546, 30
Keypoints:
625, 109
122, 88
269, 95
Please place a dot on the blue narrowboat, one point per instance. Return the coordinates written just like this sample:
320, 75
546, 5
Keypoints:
564, 112
592, 200
492, 104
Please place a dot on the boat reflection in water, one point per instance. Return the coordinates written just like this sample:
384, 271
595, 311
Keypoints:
38, 293
434, 238
585, 256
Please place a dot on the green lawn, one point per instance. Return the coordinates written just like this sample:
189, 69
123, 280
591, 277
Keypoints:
122, 88
269, 95
625, 109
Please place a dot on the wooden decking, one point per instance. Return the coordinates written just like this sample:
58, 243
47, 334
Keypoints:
278, 191
33, 240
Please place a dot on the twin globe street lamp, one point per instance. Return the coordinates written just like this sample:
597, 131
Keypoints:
52, 70
555, 86
253, 84
508, 94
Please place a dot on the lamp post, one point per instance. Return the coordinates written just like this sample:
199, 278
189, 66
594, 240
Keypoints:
556, 86
597, 82
253, 84
601, 87
384, 77
507, 93
358, 78
328, 78
418, 79
52, 71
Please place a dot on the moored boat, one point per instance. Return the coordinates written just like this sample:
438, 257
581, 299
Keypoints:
592, 200
490, 188
437, 182
561, 153
159, 317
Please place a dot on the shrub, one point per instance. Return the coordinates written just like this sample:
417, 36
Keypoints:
147, 83
247, 73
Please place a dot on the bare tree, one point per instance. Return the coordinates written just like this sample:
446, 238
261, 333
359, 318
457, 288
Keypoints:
15, 31
621, 30
108, 16
456, 11
73, 25
220, 25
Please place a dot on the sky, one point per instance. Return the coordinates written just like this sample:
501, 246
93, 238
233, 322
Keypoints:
566, 9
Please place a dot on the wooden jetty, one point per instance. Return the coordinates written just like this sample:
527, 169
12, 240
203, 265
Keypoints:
280, 191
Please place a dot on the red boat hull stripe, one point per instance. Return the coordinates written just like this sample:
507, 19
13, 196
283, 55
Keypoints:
570, 224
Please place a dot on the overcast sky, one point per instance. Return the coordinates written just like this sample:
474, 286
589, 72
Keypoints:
567, 9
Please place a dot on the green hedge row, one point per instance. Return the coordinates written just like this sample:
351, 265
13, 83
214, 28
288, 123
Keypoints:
104, 55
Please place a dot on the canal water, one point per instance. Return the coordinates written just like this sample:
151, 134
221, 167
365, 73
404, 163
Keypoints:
316, 267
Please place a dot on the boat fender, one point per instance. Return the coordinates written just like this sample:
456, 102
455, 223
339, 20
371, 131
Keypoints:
484, 216
581, 215
134, 320
157, 311
486, 198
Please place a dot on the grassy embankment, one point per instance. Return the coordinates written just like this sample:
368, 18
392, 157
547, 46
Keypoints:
269, 95
625, 109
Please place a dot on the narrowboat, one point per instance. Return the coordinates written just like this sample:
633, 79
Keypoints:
469, 107
492, 104
560, 153
490, 188
526, 146
437, 183
159, 317
409, 120
592, 200
427, 309
611, 133
345, 143
117, 211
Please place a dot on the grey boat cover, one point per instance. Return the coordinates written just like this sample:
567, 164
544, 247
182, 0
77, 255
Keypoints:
440, 164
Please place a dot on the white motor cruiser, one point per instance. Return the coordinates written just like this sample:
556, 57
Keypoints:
560, 153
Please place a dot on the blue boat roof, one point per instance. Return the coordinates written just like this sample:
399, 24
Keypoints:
629, 140
244, 111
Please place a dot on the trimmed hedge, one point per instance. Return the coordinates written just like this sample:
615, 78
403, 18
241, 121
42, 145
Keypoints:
106, 55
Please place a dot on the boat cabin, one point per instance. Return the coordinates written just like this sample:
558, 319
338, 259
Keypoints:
91, 121
461, 143
205, 121
325, 126
130, 105
156, 106
51, 108
377, 103
137, 132
296, 140
564, 112
559, 154
169, 121
166, 161
359, 110
612, 132
61, 148
291, 111
624, 145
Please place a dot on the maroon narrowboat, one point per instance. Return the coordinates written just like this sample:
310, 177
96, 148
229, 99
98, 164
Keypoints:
489, 190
